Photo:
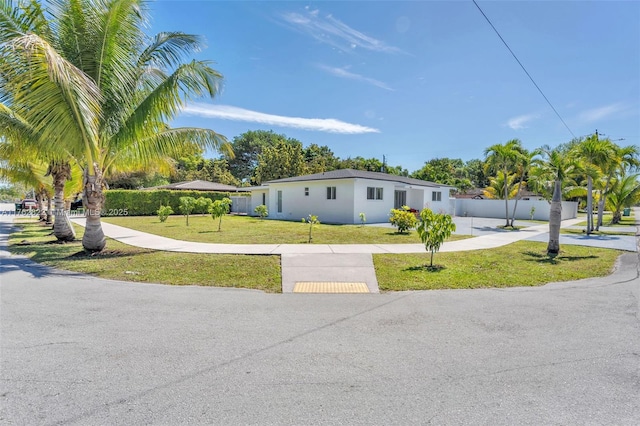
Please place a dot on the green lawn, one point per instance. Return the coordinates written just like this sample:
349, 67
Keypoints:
123, 262
250, 230
523, 263
606, 220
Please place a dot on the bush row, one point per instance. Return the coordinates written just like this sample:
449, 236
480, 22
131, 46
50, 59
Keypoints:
146, 203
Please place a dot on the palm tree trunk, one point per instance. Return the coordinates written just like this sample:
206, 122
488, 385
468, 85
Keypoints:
93, 239
62, 227
49, 215
589, 205
602, 202
42, 215
513, 216
555, 219
506, 197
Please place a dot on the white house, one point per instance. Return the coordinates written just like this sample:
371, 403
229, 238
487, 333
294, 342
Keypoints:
339, 196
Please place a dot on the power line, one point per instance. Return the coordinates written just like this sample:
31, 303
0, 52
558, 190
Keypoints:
523, 68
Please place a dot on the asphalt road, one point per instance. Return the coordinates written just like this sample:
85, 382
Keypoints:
79, 350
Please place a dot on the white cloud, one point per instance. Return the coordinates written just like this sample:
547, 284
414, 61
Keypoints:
330, 30
343, 73
518, 123
596, 114
226, 112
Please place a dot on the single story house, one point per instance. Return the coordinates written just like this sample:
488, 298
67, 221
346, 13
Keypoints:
339, 196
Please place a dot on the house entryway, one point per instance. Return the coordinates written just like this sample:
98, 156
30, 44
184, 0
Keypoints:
400, 199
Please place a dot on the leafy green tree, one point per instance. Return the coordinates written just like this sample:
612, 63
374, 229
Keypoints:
187, 205
474, 170
523, 162
403, 219
621, 158
283, 160
99, 93
203, 204
319, 159
218, 209
247, 147
434, 229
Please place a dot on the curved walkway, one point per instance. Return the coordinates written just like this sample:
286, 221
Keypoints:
347, 268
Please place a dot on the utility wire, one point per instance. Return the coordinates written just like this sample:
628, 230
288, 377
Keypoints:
523, 68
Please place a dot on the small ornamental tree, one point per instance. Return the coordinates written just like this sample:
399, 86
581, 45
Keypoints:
403, 219
164, 212
363, 219
261, 211
203, 204
187, 204
218, 209
433, 229
311, 220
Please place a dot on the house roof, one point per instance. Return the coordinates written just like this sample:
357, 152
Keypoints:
357, 174
198, 185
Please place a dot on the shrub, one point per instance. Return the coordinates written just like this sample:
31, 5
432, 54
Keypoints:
403, 219
147, 202
261, 211
164, 212
219, 208
187, 204
363, 219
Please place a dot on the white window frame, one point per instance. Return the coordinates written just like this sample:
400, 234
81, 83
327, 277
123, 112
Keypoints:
374, 193
331, 192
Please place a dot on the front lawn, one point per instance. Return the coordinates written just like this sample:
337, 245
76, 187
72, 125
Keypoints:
122, 262
250, 230
520, 264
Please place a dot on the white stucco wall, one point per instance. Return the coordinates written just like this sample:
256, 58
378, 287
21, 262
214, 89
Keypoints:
495, 209
295, 205
376, 211
256, 200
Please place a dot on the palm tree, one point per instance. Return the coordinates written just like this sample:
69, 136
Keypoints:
558, 166
625, 192
501, 158
594, 153
621, 158
115, 96
523, 161
499, 185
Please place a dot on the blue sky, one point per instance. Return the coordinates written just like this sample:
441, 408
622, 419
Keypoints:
416, 80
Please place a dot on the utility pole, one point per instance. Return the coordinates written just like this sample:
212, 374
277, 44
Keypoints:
384, 164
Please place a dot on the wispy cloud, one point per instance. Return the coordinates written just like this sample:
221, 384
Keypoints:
518, 123
606, 111
226, 112
334, 32
344, 73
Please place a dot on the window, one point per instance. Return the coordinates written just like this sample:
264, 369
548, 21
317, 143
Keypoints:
374, 193
436, 196
331, 192
306, 191
279, 201
264, 199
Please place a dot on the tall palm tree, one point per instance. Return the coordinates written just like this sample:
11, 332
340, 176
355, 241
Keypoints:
621, 158
116, 94
524, 160
501, 158
558, 166
594, 153
499, 185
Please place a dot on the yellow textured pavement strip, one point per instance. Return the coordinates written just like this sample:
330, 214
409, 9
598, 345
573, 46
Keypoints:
329, 287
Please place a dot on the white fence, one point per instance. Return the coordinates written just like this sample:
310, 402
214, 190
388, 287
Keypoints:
524, 210
240, 204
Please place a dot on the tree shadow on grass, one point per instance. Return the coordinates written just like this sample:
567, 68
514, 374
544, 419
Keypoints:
553, 260
426, 268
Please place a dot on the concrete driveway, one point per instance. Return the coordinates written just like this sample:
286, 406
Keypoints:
80, 350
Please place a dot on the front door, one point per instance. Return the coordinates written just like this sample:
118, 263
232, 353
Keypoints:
400, 199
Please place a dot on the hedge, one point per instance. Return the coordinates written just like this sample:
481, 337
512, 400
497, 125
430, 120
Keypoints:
130, 202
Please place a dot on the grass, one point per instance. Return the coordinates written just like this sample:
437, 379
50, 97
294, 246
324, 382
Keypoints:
123, 262
523, 263
250, 230
607, 217
520, 264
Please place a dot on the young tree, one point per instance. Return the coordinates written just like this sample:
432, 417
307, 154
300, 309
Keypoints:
312, 220
261, 211
625, 192
434, 229
187, 204
218, 209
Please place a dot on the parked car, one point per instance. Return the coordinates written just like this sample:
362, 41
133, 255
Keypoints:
28, 204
